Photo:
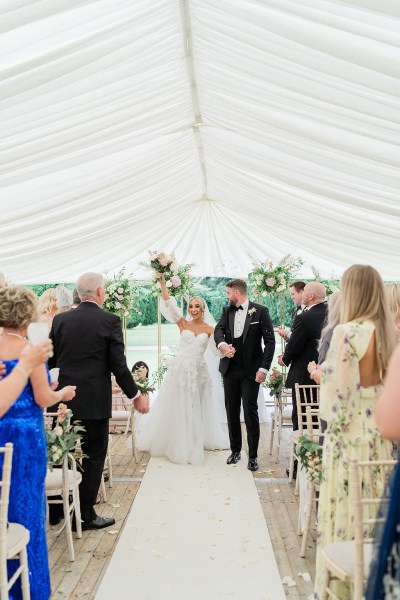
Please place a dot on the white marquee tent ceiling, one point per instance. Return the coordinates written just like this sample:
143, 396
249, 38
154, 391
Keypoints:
223, 130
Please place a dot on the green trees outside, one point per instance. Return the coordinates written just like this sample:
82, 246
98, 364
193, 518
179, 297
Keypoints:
212, 289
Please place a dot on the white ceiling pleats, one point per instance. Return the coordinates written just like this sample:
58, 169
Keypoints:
223, 131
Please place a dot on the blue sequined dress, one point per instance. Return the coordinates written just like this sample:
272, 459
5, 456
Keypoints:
23, 425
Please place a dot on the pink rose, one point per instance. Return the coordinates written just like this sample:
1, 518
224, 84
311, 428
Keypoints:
270, 281
164, 261
176, 281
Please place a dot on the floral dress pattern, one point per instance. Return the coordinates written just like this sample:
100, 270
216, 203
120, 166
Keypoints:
349, 410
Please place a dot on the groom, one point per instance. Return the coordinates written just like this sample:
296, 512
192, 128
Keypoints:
238, 335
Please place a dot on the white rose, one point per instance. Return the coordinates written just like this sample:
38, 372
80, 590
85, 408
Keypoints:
118, 305
168, 284
120, 290
126, 313
58, 430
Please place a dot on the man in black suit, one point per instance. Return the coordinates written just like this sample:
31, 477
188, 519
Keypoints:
88, 347
302, 346
238, 334
296, 293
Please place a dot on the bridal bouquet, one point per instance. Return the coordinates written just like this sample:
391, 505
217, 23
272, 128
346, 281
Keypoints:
177, 277
120, 295
267, 279
62, 440
310, 456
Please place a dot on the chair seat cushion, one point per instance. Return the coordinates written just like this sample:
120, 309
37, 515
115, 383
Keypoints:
341, 555
286, 414
53, 483
17, 538
121, 414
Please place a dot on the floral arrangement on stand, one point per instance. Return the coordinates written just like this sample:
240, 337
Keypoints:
177, 277
310, 457
120, 295
330, 288
267, 279
62, 440
275, 382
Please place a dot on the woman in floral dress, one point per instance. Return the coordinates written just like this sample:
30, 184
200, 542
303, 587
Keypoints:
351, 382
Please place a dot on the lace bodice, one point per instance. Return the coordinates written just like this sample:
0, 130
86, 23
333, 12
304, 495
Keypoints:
193, 345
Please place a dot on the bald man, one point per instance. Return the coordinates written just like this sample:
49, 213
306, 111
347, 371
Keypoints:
88, 348
303, 343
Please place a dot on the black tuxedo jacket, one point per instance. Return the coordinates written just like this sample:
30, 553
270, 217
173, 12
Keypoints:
257, 327
88, 347
302, 346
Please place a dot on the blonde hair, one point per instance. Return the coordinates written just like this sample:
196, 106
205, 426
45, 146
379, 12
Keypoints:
18, 307
48, 302
393, 295
364, 298
333, 316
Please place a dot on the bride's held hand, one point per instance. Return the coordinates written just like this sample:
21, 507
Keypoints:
141, 403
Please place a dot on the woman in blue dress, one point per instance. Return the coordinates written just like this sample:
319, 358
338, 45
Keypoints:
23, 425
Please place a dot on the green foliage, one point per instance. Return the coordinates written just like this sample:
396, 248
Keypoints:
310, 456
62, 440
275, 382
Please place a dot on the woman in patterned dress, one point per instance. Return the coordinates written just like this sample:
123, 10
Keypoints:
351, 383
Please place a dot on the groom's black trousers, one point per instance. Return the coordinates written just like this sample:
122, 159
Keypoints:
238, 386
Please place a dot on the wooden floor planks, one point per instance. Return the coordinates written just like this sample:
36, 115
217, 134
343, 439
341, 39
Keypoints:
80, 579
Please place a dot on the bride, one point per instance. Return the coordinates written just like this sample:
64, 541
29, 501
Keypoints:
184, 419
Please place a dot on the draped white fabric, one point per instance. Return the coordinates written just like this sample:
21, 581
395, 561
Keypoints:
221, 130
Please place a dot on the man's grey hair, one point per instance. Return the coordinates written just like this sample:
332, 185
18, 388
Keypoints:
87, 285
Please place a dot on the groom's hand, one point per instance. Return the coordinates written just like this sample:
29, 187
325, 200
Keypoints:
227, 350
141, 404
261, 376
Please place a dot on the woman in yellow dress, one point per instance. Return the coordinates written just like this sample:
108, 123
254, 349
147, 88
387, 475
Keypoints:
352, 376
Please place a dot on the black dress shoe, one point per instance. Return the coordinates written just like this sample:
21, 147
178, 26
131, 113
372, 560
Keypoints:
252, 465
233, 458
98, 523
294, 472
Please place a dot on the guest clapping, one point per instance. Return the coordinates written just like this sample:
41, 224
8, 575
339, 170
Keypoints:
23, 425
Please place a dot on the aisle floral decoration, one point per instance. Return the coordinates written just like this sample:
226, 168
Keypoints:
310, 456
120, 295
143, 384
62, 439
177, 277
275, 382
329, 287
267, 279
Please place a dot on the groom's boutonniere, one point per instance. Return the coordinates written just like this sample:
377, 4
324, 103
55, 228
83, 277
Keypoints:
251, 311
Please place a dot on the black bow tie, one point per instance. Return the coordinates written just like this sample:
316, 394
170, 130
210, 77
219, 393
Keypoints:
237, 307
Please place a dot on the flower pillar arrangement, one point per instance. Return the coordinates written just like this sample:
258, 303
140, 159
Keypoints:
267, 279
119, 298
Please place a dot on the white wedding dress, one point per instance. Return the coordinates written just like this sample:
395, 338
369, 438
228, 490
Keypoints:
184, 420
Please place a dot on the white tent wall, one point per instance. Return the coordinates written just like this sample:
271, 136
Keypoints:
224, 131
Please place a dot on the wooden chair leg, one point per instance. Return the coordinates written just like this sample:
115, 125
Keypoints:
25, 588
133, 433
307, 521
77, 505
296, 487
271, 441
326, 583
291, 464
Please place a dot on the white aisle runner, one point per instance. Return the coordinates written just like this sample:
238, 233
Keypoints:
195, 533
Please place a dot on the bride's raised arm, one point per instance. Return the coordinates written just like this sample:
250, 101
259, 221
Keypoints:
168, 306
